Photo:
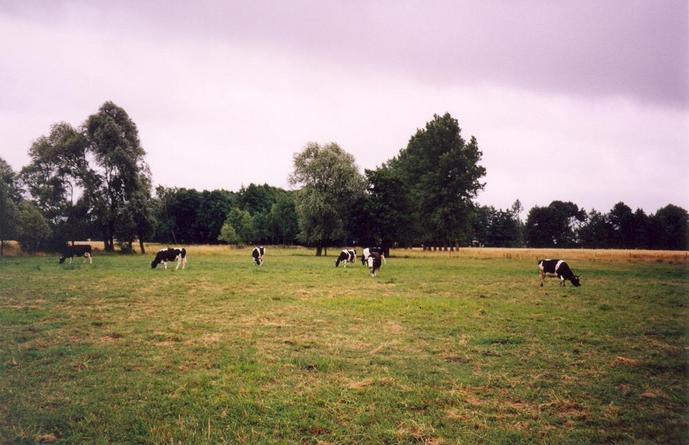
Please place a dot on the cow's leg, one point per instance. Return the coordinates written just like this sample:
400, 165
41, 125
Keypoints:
179, 262
90, 258
71, 259
562, 280
542, 277
164, 265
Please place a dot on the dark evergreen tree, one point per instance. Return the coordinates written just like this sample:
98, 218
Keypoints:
442, 173
673, 223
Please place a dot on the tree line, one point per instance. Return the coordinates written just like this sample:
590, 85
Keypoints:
92, 182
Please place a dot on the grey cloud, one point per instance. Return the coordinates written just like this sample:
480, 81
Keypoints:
633, 48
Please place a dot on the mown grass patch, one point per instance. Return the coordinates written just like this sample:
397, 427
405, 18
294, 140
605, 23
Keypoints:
440, 348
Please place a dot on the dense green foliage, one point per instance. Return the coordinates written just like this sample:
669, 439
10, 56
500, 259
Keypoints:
93, 182
331, 185
9, 198
436, 349
441, 173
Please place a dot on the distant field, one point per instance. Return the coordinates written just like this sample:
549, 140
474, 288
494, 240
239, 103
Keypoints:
440, 348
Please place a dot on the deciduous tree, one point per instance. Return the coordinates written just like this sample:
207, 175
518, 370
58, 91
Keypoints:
33, 228
443, 174
9, 218
330, 182
554, 225
120, 168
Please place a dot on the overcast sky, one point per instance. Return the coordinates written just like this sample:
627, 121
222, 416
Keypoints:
586, 101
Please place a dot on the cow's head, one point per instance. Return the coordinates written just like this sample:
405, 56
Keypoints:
575, 281
372, 266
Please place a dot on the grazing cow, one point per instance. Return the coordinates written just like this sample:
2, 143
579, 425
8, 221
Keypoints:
258, 254
346, 256
374, 262
76, 250
557, 268
170, 254
368, 251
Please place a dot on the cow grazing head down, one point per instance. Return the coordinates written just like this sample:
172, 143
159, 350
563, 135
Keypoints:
170, 254
558, 268
346, 256
374, 262
257, 254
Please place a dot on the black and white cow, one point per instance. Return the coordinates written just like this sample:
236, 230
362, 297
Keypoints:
557, 268
374, 262
368, 251
76, 250
346, 256
170, 254
257, 254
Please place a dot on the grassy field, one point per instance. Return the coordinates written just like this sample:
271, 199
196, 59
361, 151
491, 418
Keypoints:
440, 348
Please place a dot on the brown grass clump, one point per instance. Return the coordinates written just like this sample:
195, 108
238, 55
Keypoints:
626, 361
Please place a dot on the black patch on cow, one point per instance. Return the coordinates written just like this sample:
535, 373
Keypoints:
368, 251
76, 250
169, 254
563, 271
374, 262
257, 254
346, 256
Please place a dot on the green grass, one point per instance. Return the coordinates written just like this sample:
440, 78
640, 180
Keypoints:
434, 350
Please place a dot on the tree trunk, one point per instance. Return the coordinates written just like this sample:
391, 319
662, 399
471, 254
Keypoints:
319, 250
2, 247
141, 246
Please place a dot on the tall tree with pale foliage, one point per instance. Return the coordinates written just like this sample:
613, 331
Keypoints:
330, 182
121, 173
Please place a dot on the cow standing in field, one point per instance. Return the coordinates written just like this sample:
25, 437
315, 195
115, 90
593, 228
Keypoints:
368, 251
170, 254
557, 268
76, 250
374, 263
258, 254
346, 256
